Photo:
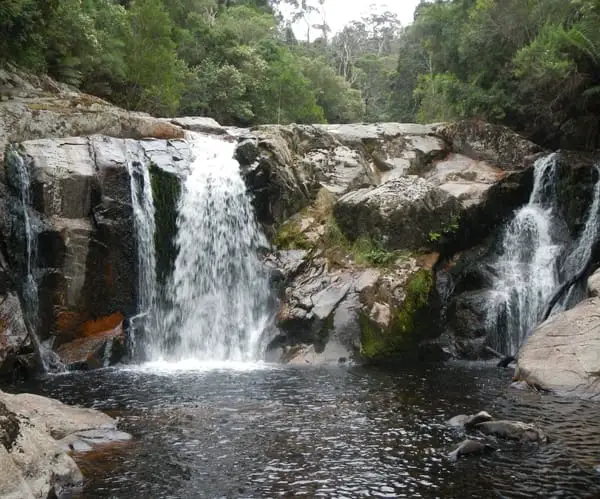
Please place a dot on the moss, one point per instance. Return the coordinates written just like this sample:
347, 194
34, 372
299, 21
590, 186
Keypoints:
289, 236
408, 326
166, 190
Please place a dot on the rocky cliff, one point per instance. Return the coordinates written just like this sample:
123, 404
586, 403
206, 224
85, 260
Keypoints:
67, 235
366, 217
382, 234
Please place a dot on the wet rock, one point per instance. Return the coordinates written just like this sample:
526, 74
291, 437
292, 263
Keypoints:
13, 332
593, 284
82, 219
513, 430
95, 349
561, 354
88, 440
57, 418
466, 421
34, 464
333, 354
402, 213
470, 447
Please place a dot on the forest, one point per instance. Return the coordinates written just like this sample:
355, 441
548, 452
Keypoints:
531, 64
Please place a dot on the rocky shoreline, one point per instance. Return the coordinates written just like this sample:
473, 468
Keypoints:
38, 436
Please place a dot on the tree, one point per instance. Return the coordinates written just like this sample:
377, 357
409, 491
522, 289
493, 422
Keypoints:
155, 75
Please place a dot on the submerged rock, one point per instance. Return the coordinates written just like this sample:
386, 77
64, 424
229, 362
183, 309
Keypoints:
469, 447
465, 421
513, 430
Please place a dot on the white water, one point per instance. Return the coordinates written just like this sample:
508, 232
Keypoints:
217, 298
532, 264
143, 216
49, 360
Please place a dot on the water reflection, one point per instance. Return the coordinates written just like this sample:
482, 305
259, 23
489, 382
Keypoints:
309, 432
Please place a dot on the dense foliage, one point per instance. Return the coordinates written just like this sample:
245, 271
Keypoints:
531, 64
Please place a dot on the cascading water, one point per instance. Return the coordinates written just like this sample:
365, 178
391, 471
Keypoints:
217, 306
533, 262
29, 290
143, 217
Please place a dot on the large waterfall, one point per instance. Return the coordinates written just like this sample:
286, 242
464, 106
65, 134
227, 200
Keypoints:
536, 258
217, 300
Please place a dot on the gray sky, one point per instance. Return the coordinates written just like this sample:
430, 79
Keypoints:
341, 12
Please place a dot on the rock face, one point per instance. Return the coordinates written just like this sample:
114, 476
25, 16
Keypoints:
34, 107
563, 353
82, 239
381, 200
36, 436
67, 235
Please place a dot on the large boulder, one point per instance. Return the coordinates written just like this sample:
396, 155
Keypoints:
496, 144
404, 213
335, 308
37, 435
563, 353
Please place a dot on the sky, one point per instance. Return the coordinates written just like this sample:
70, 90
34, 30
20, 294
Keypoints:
341, 12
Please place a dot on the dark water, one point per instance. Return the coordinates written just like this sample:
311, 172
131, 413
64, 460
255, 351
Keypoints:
335, 432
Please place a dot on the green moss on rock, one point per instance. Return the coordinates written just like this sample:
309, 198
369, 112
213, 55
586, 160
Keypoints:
409, 325
289, 236
166, 190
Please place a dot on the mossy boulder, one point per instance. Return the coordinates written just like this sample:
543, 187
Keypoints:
411, 320
402, 213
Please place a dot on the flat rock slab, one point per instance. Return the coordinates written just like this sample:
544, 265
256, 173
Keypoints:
88, 440
60, 419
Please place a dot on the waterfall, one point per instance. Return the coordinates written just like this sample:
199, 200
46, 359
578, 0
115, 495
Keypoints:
143, 219
533, 260
217, 303
29, 286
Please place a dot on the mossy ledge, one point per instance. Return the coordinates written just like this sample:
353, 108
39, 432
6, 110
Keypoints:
411, 323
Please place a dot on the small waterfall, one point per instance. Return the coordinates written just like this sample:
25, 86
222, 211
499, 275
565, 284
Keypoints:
143, 218
533, 262
29, 290
219, 293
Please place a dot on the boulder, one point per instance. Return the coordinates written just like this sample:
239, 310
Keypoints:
36, 436
405, 213
563, 353
470, 447
494, 143
513, 430
593, 284
97, 347
467, 422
